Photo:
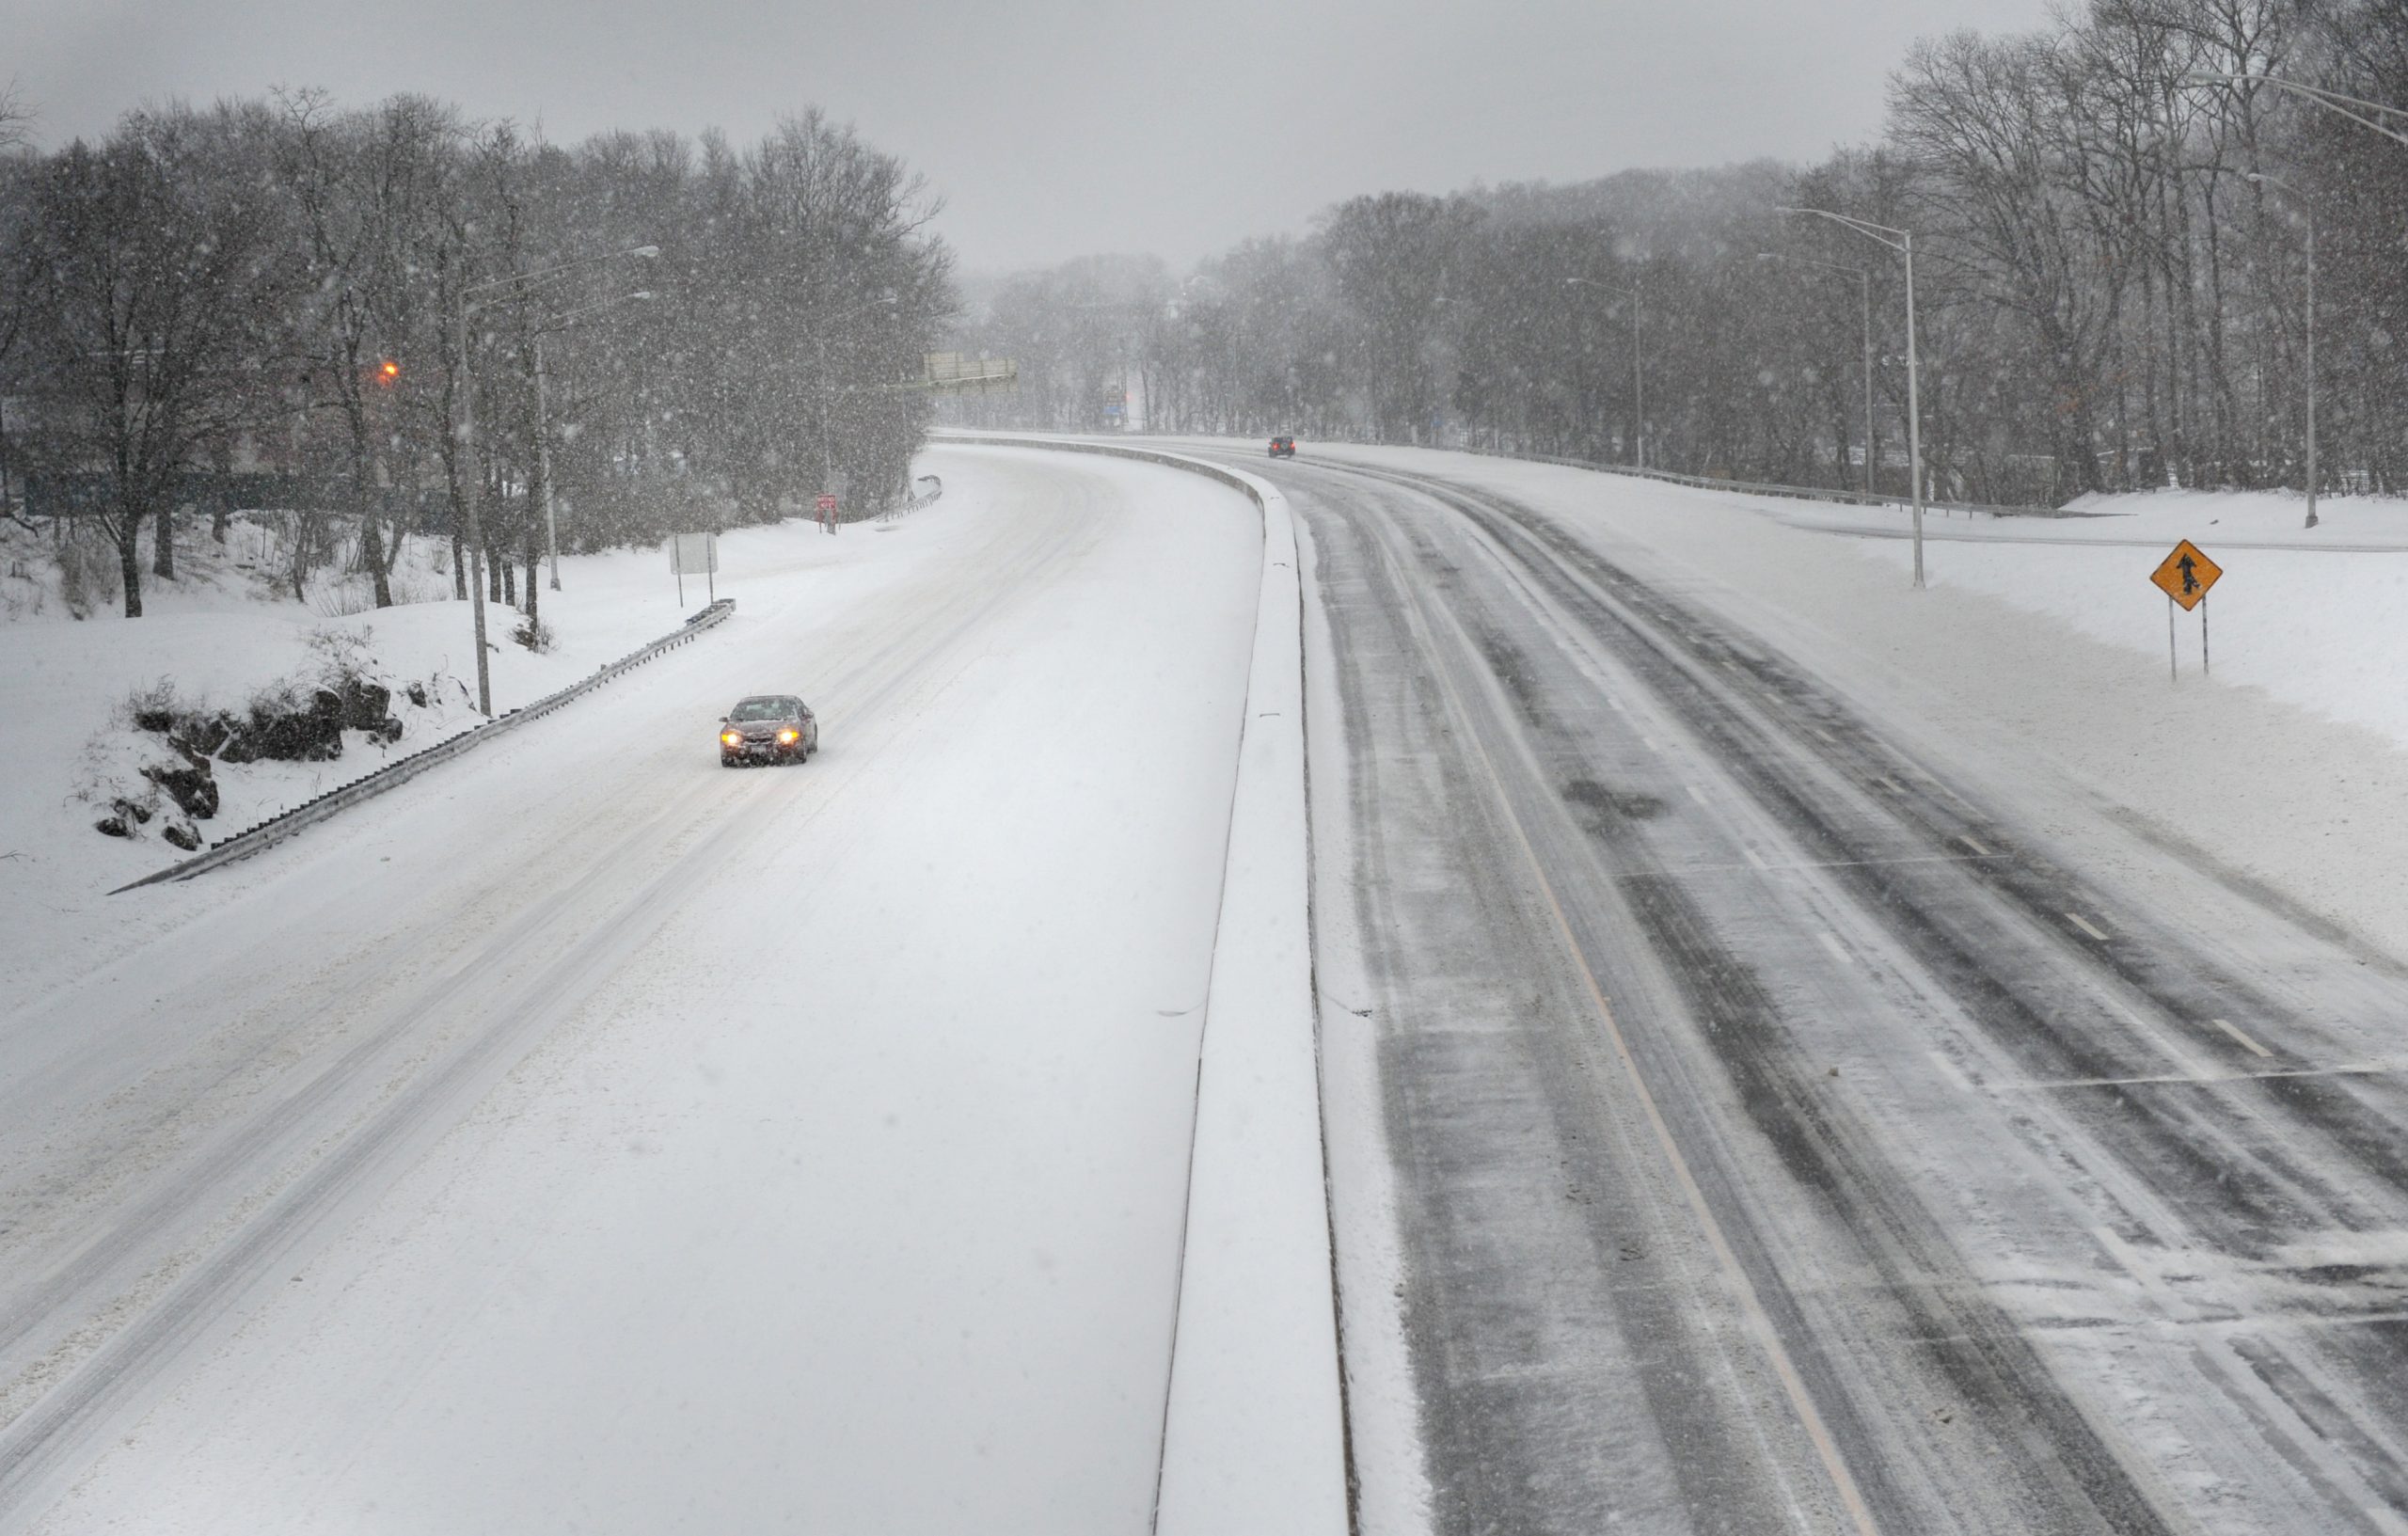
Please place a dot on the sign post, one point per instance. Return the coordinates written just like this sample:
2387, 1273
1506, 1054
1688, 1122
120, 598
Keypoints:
694, 554
2185, 576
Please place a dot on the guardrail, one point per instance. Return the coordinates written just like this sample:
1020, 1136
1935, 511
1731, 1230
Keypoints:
277, 827
925, 491
1799, 493
1707, 483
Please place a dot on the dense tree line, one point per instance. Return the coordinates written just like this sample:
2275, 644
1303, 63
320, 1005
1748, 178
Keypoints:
2110, 281
394, 317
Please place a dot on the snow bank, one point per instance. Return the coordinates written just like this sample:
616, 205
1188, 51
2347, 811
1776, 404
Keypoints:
1254, 1436
2263, 519
2311, 628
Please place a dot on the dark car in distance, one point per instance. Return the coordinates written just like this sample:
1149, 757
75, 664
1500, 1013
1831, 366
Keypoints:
1283, 448
768, 728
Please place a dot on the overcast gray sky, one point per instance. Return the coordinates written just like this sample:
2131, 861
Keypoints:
1055, 128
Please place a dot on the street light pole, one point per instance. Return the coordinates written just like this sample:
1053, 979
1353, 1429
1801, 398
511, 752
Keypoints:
1865, 282
2333, 102
471, 500
1863, 277
543, 433
2310, 209
1637, 367
544, 472
500, 289
1902, 242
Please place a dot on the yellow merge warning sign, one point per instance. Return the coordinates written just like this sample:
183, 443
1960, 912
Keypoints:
2186, 575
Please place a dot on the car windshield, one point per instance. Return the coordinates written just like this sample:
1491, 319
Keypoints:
761, 709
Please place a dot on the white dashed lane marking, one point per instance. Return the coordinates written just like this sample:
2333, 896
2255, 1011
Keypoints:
2247, 1042
2078, 921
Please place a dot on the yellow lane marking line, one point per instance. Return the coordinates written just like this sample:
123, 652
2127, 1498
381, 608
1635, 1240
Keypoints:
2247, 1043
2077, 919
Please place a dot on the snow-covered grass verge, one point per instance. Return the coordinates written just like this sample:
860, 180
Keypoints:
2354, 524
2314, 628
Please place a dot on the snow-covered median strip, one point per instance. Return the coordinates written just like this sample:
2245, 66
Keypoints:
400, 771
1254, 1436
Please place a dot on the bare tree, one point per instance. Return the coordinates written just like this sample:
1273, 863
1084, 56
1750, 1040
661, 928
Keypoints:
154, 263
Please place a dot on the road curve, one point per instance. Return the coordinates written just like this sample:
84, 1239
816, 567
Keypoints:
589, 1135
1793, 1133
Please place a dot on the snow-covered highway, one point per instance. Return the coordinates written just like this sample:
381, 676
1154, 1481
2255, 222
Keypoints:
585, 1136
1807, 1106
1798, 1056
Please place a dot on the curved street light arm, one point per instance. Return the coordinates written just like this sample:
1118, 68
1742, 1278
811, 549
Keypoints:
2331, 101
551, 324
1895, 239
1809, 260
510, 279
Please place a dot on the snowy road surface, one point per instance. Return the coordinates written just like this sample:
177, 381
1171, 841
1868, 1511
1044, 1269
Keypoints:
587, 1137
1801, 1117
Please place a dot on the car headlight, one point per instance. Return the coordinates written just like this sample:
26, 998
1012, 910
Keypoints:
789, 737
733, 738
